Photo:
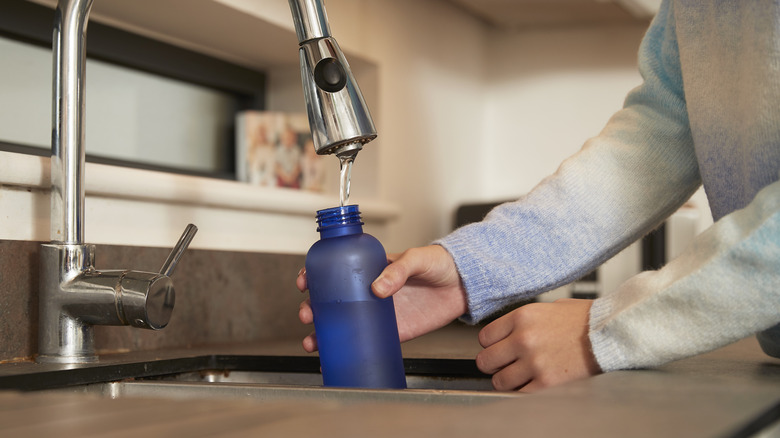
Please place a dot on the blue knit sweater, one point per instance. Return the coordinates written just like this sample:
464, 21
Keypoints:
707, 112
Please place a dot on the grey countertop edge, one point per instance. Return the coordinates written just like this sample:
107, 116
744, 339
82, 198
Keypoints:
731, 392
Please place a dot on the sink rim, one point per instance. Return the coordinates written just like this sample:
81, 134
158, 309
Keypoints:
35, 377
214, 391
436, 381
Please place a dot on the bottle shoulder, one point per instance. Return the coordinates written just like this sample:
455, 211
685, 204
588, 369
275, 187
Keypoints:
359, 246
360, 239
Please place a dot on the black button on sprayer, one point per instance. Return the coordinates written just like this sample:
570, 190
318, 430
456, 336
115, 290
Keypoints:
330, 75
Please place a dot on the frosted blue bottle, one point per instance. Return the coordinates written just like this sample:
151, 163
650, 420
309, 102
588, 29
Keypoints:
357, 333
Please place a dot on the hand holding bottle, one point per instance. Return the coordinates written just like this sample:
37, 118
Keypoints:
425, 286
533, 347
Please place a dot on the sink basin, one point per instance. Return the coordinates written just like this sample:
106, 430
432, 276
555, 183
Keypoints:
276, 392
261, 378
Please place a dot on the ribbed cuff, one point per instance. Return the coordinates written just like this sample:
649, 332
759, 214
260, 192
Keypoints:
605, 349
473, 279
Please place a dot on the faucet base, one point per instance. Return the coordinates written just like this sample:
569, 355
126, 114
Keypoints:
44, 358
61, 337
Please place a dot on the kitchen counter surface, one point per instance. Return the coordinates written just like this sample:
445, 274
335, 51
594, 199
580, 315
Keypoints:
734, 391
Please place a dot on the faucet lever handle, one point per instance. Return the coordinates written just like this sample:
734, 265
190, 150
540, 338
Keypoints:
178, 250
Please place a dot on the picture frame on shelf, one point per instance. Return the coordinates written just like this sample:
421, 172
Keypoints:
275, 149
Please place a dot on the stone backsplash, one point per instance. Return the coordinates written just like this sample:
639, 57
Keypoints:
221, 297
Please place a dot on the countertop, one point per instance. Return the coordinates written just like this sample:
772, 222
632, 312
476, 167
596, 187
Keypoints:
734, 391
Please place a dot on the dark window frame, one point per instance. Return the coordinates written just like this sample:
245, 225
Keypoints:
32, 23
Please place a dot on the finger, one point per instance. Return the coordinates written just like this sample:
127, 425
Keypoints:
412, 262
496, 357
391, 280
300, 281
512, 377
532, 386
310, 343
393, 257
496, 330
305, 313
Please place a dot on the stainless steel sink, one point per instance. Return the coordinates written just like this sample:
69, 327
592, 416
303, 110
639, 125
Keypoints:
295, 378
275, 392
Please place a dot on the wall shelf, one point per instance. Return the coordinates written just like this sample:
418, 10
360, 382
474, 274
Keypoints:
148, 208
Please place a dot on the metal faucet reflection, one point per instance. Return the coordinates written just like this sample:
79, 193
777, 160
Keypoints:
338, 116
73, 295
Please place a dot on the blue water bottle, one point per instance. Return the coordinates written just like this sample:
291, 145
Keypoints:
357, 333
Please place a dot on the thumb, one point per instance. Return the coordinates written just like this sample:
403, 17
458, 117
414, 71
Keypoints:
393, 278
389, 282
413, 262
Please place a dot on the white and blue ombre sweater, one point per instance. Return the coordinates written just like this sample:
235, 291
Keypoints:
708, 112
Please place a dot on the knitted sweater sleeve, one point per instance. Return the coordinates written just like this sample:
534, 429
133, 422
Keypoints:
620, 185
723, 288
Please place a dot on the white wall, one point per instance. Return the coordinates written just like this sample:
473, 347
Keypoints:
432, 93
466, 114
549, 91
469, 114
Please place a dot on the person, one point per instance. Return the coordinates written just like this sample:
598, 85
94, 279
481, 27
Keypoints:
706, 113
312, 168
261, 159
288, 159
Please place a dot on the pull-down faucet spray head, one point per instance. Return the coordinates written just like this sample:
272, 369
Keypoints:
338, 116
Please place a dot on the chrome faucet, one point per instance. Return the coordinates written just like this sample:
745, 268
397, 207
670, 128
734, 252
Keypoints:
338, 116
73, 295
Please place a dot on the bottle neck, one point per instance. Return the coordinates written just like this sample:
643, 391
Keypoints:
339, 221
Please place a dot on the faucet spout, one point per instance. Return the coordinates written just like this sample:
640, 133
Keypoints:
310, 20
338, 115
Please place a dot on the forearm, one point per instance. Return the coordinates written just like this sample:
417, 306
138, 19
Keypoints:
618, 187
720, 290
597, 204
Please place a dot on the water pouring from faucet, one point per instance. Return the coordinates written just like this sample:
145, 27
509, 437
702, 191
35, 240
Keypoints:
338, 115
